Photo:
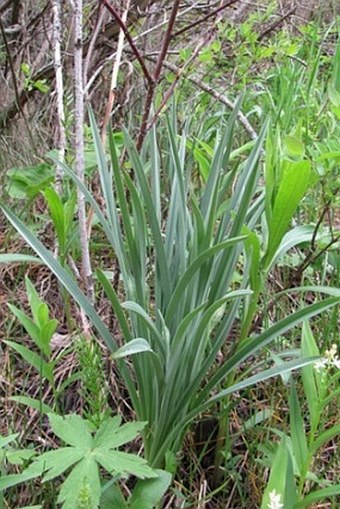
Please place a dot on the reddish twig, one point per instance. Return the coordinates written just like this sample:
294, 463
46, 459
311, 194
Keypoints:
156, 75
276, 23
178, 75
204, 18
134, 48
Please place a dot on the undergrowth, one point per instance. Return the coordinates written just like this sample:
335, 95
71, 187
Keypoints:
212, 345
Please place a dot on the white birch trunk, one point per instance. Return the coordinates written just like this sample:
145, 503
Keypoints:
61, 140
79, 144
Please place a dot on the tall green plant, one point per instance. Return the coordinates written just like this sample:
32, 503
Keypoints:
178, 253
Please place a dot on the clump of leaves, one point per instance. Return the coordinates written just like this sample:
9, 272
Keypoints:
87, 453
41, 329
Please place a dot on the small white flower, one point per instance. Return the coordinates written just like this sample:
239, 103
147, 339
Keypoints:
330, 359
336, 362
320, 364
331, 354
275, 500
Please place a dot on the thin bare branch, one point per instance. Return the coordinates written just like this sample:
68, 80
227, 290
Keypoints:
114, 77
130, 40
92, 44
204, 18
156, 75
178, 75
5, 6
214, 93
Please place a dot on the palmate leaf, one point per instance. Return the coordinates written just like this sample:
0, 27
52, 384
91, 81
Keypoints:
124, 463
71, 490
72, 429
86, 453
112, 435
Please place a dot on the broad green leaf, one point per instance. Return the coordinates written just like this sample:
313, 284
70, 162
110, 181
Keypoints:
29, 325
280, 481
292, 238
54, 463
112, 435
148, 492
19, 456
82, 482
56, 210
46, 334
293, 147
33, 299
72, 429
138, 345
123, 463
112, 497
294, 183
30, 181
7, 440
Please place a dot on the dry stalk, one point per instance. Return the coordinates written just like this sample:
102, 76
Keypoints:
114, 76
130, 40
92, 44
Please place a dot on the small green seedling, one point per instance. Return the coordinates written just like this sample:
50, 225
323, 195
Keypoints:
41, 329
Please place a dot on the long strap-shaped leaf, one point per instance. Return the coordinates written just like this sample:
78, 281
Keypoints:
249, 349
253, 380
162, 266
255, 344
190, 272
